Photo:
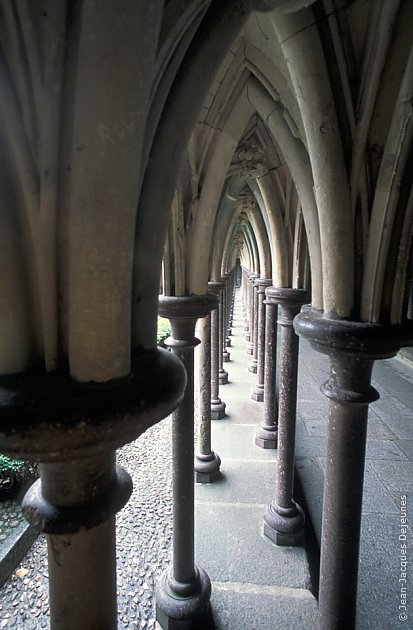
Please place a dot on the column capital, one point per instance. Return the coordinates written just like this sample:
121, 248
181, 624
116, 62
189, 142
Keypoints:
287, 296
352, 347
188, 307
262, 284
365, 340
183, 312
215, 287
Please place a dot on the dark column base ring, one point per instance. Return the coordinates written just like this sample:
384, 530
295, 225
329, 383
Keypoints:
179, 612
217, 409
207, 468
266, 437
258, 393
223, 377
284, 526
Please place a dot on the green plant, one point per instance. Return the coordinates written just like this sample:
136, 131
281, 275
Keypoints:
164, 330
13, 473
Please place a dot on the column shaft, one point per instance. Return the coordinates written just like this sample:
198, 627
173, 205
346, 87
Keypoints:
222, 374
207, 462
89, 601
266, 436
217, 405
258, 391
346, 443
284, 518
254, 361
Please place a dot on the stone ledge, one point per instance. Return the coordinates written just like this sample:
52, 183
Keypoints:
14, 548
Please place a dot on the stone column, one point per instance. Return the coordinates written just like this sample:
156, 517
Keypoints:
229, 308
244, 299
352, 348
217, 405
207, 462
284, 518
253, 366
266, 436
249, 337
183, 592
225, 318
73, 430
258, 391
222, 374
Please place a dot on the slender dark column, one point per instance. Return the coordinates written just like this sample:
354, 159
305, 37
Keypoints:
183, 592
207, 462
217, 405
352, 347
229, 308
225, 317
73, 429
251, 314
245, 301
266, 436
253, 366
258, 391
284, 518
222, 374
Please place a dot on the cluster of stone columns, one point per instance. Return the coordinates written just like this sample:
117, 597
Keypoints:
81, 488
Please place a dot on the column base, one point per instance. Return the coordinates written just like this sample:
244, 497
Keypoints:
217, 409
266, 437
207, 468
258, 393
284, 526
253, 366
226, 357
227, 342
223, 377
250, 348
177, 612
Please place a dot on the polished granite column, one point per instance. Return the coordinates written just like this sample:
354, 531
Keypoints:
284, 518
183, 592
352, 348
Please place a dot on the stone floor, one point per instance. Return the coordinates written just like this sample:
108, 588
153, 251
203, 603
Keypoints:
255, 583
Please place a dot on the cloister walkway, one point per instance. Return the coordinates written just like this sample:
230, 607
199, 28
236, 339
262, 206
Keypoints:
255, 583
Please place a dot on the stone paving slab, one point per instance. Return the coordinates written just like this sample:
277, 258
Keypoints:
379, 587
231, 547
244, 606
246, 481
237, 442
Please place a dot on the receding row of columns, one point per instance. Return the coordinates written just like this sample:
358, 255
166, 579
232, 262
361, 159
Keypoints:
81, 489
352, 348
184, 591
265, 307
